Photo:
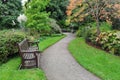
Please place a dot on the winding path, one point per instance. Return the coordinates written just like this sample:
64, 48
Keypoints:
58, 64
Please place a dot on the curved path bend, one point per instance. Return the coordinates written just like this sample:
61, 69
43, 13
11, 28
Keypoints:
58, 64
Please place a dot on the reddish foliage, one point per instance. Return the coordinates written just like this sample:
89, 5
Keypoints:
72, 5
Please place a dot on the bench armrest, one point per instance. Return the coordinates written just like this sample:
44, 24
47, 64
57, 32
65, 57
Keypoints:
33, 42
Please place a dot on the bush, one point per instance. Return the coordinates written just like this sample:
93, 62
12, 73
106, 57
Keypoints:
104, 26
8, 43
109, 41
78, 33
87, 32
91, 35
55, 27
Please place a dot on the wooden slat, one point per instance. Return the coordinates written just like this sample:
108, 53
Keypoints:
28, 54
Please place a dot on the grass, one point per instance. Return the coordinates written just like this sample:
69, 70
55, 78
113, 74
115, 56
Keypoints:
102, 64
9, 70
49, 41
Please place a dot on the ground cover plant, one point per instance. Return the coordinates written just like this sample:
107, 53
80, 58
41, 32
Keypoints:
102, 64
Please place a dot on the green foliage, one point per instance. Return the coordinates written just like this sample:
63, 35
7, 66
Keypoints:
55, 27
102, 64
37, 17
108, 41
57, 8
116, 23
78, 33
84, 29
91, 36
104, 26
9, 11
8, 43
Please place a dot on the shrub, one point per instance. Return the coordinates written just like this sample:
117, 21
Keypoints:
91, 36
104, 26
8, 40
83, 31
109, 41
78, 33
55, 27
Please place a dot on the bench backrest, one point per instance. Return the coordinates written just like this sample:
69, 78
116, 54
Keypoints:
23, 45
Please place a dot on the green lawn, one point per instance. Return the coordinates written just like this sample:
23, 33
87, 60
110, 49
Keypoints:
9, 70
102, 64
49, 41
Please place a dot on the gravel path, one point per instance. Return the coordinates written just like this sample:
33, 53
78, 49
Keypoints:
58, 64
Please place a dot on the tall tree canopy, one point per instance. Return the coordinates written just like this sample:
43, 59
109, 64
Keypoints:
9, 11
73, 11
99, 10
37, 17
57, 8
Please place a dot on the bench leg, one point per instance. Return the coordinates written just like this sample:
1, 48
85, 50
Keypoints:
37, 62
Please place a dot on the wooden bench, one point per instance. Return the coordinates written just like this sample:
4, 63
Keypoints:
29, 54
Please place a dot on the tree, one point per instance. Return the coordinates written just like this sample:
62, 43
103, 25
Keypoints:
72, 5
9, 11
57, 8
115, 21
37, 17
75, 11
100, 9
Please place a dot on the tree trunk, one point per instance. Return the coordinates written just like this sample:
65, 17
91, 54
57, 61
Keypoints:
97, 18
98, 26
